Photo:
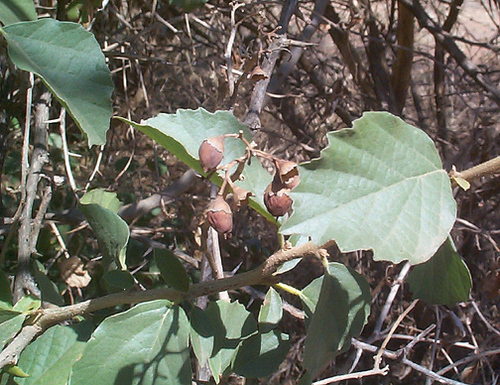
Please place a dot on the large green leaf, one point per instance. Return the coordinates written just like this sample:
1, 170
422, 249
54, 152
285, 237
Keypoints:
232, 323
14, 11
148, 344
261, 354
103, 198
117, 280
341, 312
183, 133
172, 270
202, 335
111, 231
69, 61
379, 186
442, 280
49, 359
10, 323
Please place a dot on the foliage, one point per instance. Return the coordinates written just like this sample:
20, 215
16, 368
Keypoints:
71, 64
379, 186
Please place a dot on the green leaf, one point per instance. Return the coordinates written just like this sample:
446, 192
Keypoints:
118, 280
288, 265
5, 293
111, 231
27, 304
340, 314
271, 311
463, 183
10, 326
442, 280
6, 315
261, 354
201, 335
69, 61
103, 198
310, 295
49, 290
232, 323
379, 185
49, 359
148, 344
172, 270
183, 133
15, 11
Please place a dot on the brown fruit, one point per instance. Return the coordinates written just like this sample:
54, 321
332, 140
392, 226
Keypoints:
277, 199
219, 215
288, 173
211, 153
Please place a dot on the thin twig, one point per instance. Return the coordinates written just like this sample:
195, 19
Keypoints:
468, 359
59, 239
435, 343
430, 373
42, 210
67, 164
378, 357
26, 137
488, 325
397, 356
96, 168
229, 47
354, 376
390, 299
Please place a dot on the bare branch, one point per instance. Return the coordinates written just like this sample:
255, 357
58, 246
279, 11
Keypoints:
24, 281
446, 40
401, 73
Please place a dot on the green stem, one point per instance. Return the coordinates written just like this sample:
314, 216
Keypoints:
288, 289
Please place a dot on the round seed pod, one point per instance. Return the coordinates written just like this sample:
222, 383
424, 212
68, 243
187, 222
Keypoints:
277, 199
220, 216
211, 152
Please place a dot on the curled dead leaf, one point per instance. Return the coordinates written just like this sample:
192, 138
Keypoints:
73, 272
288, 173
240, 197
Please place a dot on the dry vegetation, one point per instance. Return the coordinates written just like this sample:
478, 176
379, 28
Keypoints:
163, 59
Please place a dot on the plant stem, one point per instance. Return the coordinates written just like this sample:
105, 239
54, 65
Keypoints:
489, 167
262, 275
289, 289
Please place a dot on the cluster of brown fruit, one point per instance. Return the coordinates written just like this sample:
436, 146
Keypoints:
276, 196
